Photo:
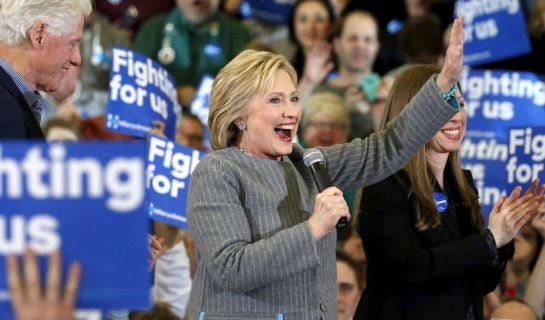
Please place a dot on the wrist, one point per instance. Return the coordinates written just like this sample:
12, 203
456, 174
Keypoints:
449, 95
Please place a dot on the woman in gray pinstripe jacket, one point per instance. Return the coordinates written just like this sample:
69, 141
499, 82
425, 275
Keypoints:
265, 236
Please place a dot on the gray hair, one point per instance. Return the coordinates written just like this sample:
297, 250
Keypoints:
18, 16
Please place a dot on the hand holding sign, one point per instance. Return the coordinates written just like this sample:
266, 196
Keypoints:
30, 300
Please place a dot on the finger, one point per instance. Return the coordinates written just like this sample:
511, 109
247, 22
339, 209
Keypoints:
53, 280
32, 276
498, 204
533, 187
72, 284
14, 281
522, 210
513, 196
522, 222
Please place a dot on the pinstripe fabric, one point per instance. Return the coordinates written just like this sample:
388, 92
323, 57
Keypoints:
249, 217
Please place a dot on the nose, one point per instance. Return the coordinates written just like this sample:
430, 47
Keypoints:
75, 58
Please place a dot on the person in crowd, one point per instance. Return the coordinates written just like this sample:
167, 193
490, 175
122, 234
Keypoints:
265, 236
514, 309
325, 120
190, 132
192, 40
39, 42
356, 44
131, 14
30, 299
310, 24
428, 254
350, 284
61, 129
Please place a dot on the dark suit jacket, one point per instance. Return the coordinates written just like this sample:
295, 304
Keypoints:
435, 274
16, 119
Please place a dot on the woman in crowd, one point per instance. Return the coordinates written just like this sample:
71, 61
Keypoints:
428, 255
265, 235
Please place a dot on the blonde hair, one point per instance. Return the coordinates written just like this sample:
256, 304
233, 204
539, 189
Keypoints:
327, 103
419, 173
249, 73
17, 17
536, 26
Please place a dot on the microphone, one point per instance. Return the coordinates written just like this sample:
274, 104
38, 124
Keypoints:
314, 160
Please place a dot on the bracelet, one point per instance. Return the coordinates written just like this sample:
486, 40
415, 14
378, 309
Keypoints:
450, 95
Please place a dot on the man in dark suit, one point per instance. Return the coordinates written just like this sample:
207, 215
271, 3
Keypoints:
39, 41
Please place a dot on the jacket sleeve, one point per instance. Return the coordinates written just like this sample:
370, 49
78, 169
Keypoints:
363, 162
222, 233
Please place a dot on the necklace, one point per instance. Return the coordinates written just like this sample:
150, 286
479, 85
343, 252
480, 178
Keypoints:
245, 152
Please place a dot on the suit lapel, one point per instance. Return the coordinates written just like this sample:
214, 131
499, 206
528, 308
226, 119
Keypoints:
32, 126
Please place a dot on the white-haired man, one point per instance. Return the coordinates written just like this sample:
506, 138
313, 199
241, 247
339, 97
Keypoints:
39, 42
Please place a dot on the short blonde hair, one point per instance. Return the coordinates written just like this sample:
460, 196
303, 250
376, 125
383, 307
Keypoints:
327, 103
251, 72
17, 17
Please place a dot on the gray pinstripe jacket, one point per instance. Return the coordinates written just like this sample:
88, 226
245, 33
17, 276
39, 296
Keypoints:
256, 255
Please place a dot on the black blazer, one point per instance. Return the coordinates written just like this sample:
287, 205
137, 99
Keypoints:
16, 119
435, 274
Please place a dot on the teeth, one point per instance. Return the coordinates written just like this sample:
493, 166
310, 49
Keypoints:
286, 127
452, 132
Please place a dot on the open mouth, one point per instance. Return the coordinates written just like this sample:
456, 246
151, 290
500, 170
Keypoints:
453, 134
284, 132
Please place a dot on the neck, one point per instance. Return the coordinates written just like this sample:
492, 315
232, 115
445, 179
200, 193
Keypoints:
437, 163
17, 58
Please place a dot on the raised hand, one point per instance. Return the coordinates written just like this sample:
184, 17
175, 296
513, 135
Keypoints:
318, 63
454, 57
30, 300
329, 207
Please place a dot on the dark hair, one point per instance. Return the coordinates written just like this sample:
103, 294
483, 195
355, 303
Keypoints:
338, 28
358, 268
421, 39
298, 60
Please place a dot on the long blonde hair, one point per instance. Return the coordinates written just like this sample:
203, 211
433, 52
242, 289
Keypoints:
417, 170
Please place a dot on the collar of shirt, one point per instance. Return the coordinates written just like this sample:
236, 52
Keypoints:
31, 97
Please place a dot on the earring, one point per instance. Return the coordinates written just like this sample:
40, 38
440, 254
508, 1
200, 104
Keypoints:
241, 125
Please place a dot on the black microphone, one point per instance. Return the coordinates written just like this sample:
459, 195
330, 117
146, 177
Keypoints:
314, 160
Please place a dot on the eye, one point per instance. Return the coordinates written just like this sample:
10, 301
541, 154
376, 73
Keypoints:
294, 99
274, 100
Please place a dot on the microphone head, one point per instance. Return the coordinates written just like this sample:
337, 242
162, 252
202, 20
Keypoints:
311, 156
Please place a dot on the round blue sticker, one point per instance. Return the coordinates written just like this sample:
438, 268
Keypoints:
212, 49
441, 202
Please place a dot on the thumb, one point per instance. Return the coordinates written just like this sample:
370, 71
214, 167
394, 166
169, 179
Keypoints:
498, 204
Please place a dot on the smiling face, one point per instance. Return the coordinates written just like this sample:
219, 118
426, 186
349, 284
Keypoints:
358, 45
449, 138
272, 120
311, 23
58, 54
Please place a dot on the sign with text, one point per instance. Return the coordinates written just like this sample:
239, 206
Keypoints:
169, 168
201, 105
504, 145
141, 91
86, 200
494, 30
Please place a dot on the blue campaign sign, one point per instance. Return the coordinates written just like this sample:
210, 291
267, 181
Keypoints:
269, 11
141, 91
169, 168
494, 30
505, 113
87, 200
201, 105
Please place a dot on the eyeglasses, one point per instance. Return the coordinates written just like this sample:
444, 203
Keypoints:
327, 125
